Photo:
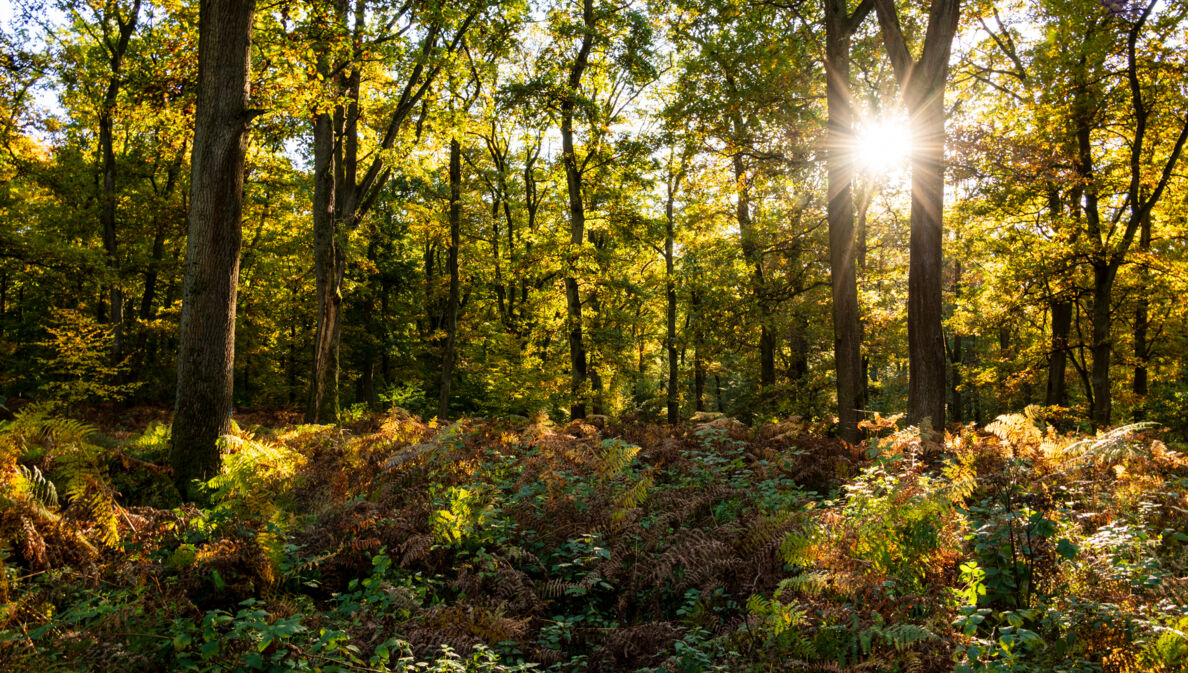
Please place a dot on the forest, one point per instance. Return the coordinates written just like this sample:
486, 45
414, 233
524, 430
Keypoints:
593, 335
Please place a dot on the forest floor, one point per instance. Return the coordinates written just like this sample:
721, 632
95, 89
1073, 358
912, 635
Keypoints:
392, 544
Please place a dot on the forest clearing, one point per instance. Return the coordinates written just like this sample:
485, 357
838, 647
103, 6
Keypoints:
593, 335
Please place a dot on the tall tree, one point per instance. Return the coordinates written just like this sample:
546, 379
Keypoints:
206, 352
577, 209
840, 25
441, 30
922, 87
1141, 193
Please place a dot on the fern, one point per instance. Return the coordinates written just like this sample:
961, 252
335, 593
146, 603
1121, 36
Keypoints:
632, 497
41, 488
1114, 446
615, 457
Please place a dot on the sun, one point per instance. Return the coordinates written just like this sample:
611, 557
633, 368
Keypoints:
883, 145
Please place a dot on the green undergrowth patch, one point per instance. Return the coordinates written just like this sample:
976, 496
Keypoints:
391, 544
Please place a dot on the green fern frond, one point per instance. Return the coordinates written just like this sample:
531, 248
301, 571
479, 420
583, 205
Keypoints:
615, 456
632, 497
903, 636
811, 583
41, 488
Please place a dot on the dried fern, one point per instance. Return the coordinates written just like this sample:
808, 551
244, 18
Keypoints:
1114, 446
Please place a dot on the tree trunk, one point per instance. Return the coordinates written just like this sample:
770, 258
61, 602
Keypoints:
1103, 286
847, 339
1057, 390
451, 316
329, 267
922, 86
754, 259
926, 347
1142, 347
125, 25
577, 217
671, 394
698, 361
206, 352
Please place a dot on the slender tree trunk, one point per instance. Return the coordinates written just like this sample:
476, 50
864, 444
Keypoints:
754, 259
577, 216
451, 316
698, 361
125, 26
1142, 347
847, 339
206, 352
672, 399
329, 266
1103, 287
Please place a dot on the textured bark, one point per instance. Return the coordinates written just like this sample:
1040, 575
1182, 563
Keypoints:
117, 47
451, 311
698, 361
754, 259
1142, 347
847, 336
672, 400
577, 216
206, 352
329, 267
1057, 389
922, 86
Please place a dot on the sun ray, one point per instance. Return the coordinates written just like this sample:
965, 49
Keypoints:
883, 145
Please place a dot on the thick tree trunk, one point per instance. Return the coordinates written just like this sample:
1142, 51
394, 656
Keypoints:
847, 339
451, 313
1057, 389
922, 85
577, 217
206, 352
926, 347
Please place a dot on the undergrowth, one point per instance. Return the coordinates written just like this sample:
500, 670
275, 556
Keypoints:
397, 545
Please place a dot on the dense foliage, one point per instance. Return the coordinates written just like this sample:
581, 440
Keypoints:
701, 122
727, 246
517, 545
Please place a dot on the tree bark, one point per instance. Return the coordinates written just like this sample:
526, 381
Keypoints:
922, 86
839, 157
116, 49
1057, 390
451, 312
329, 268
206, 353
577, 216
1142, 347
672, 399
